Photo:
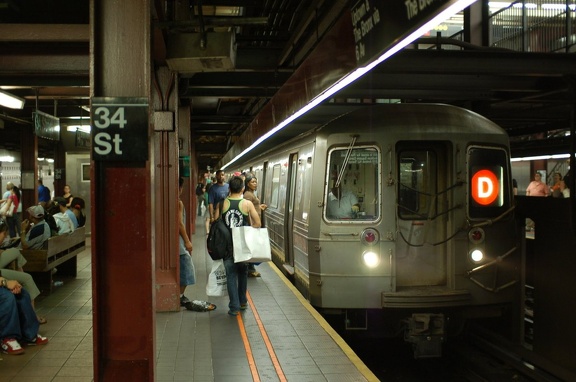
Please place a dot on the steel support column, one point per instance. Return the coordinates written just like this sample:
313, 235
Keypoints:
122, 261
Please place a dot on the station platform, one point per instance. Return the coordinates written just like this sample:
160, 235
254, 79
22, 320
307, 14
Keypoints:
280, 337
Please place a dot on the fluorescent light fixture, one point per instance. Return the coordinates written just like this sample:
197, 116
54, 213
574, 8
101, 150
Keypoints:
74, 128
540, 157
7, 158
40, 159
359, 72
10, 100
49, 160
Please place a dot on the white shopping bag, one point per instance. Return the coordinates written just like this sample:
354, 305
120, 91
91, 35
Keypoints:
251, 244
216, 285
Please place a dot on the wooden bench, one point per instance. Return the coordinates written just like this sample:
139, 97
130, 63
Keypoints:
60, 251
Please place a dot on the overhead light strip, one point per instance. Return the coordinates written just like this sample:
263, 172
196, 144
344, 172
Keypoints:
10, 100
353, 76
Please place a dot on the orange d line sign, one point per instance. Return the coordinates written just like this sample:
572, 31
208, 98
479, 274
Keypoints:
485, 187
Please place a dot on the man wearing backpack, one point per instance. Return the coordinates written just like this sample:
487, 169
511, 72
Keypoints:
237, 212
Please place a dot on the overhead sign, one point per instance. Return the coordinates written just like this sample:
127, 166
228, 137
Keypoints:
119, 129
381, 24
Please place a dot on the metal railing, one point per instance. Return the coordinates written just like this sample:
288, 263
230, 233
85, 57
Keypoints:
535, 26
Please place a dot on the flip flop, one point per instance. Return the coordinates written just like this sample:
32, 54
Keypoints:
42, 320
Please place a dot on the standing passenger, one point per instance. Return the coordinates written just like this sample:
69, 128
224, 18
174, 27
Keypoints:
43, 194
537, 187
250, 186
218, 191
237, 212
187, 271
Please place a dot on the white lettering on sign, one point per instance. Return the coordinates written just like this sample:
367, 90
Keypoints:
485, 187
103, 145
413, 7
364, 19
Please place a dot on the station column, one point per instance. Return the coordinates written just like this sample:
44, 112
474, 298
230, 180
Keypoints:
122, 239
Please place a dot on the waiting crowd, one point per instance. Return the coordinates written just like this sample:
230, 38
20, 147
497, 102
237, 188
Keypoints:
19, 323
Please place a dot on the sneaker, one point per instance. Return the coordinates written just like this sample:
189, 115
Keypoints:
243, 306
39, 340
184, 300
233, 312
11, 346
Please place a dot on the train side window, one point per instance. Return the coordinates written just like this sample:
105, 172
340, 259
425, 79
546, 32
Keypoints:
353, 184
418, 174
275, 186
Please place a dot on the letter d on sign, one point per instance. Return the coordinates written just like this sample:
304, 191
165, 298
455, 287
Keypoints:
485, 187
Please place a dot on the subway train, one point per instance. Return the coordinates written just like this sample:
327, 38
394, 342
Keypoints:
395, 220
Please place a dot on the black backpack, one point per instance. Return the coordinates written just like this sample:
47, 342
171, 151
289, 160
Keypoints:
219, 241
199, 190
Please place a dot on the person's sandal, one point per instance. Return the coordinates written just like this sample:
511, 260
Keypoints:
253, 274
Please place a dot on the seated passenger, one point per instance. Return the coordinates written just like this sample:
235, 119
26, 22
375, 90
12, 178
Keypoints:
65, 219
342, 204
77, 207
18, 321
24, 279
34, 236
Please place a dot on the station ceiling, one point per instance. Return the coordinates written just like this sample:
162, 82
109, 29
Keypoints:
44, 57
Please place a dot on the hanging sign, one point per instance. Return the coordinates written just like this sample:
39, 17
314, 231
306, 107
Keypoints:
381, 24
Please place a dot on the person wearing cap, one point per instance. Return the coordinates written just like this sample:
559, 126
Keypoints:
35, 230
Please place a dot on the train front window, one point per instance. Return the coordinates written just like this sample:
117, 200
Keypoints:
417, 186
353, 184
488, 181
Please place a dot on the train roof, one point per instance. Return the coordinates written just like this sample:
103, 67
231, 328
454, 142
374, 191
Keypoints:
331, 117
415, 119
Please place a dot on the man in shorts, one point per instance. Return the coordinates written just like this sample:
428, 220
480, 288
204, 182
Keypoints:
187, 271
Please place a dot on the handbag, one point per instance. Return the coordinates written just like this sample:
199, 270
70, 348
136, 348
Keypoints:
5, 211
251, 244
216, 285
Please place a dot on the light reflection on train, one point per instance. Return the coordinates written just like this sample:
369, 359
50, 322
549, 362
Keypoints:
422, 235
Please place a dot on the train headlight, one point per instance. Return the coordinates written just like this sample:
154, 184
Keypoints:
477, 255
370, 236
371, 259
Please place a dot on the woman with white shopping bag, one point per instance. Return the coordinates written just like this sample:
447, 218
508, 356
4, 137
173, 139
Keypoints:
237, 212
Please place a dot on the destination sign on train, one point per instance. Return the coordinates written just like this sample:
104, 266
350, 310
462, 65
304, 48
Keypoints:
485, 187
380, 24
120, 129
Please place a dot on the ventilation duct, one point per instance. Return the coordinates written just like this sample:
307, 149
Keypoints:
184, 54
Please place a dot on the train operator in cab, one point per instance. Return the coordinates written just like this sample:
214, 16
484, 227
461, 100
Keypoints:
342, 204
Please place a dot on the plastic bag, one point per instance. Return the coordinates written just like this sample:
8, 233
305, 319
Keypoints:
216, 285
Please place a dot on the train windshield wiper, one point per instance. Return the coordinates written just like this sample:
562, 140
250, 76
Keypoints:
346, 159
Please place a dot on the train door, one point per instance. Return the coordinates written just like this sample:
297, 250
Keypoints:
421, 253
289, 216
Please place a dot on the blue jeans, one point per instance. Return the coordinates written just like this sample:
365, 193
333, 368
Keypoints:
237, 282
17, 317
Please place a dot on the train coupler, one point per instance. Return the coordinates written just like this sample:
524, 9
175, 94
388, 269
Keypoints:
425, 332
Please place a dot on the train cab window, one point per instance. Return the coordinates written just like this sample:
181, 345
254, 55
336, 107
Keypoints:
353, 184
418, 174
488, 180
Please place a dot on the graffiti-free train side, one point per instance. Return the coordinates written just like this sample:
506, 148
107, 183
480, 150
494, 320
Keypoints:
396, 220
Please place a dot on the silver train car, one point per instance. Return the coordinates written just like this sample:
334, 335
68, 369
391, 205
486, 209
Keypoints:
395, 220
